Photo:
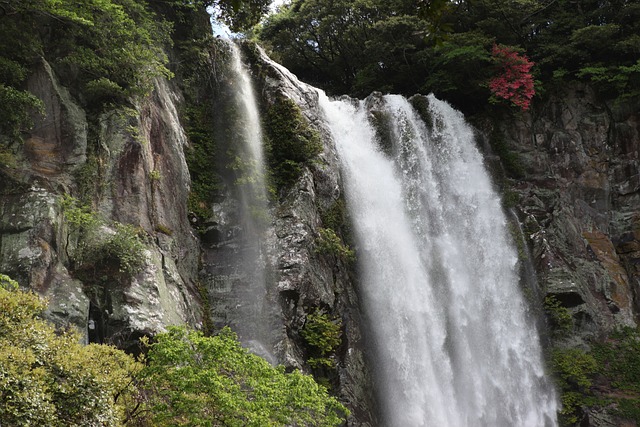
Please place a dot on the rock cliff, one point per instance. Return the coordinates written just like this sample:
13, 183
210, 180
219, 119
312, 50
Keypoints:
127, 166
578, 189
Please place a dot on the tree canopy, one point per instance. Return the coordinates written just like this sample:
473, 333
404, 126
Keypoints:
445, 47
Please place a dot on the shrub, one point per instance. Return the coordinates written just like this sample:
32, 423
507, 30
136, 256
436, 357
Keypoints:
559, 316
210, 381
328, 242
574, 370
49, 378
323, 333
108, 248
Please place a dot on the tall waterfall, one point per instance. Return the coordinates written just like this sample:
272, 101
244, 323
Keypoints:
250, 307
454, 345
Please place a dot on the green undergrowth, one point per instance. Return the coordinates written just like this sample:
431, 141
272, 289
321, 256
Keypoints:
605, 377
291, 143
184, 378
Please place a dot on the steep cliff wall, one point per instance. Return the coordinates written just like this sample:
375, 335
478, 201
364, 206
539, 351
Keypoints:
579, 203
125, 169
128, 166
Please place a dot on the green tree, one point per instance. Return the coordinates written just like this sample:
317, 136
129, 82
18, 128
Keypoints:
48, 378
212, 381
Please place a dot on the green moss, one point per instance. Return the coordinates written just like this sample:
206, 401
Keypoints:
510, 198
202, 156
207, 323
291, 142
161, 228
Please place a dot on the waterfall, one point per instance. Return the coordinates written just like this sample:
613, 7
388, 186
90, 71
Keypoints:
250, 308
454, 345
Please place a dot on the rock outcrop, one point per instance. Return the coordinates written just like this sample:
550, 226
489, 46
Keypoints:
133, 171
579, 205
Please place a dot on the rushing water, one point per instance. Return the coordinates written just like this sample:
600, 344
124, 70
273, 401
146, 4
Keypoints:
453, 342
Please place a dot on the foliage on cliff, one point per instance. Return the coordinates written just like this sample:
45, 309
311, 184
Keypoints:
444, 47
105, 51
47, 378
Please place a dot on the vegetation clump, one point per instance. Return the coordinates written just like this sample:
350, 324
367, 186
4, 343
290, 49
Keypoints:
47, 378
291, 142
560, 318
115, 249
210, 381
323, 334
606, 377
574, 370
328, 242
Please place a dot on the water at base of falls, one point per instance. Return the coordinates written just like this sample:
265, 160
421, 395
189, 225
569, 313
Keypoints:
455, 346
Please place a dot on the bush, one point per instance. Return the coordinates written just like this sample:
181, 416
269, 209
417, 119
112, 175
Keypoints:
559, 316
328, 242
102, 247
15, 115
324, 335
212, 381
49, 379
574, 370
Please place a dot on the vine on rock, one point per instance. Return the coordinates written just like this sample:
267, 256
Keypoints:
514, 81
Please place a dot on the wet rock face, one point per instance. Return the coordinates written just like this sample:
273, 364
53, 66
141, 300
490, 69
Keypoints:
138, 176
579, 205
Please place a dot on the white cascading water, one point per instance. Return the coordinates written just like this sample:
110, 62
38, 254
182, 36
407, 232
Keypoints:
251, 130
251, 312
454, 345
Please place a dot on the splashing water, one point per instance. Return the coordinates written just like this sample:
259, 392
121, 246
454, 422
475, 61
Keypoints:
454, 344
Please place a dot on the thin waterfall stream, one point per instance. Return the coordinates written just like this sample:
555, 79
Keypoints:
250, 308
454, 345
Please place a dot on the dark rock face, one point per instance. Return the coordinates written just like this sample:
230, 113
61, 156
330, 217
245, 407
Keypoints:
580, 205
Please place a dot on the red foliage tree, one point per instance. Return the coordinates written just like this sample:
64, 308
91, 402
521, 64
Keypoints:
514, 81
